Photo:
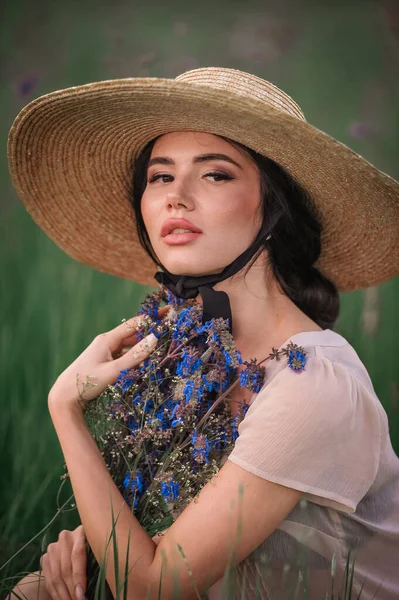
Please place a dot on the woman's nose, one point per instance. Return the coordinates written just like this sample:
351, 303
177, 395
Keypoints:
179, 200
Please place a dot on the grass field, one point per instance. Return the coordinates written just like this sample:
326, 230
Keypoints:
51, 308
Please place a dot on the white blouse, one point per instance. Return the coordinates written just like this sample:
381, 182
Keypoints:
324, 432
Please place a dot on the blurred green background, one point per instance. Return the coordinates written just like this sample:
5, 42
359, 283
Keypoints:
338, 60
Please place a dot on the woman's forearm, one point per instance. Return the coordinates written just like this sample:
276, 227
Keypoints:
97, 497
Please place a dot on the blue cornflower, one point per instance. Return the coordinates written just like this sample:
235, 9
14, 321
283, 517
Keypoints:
221, 440
209, 386
252, 377
184, 322
244, 409
201, 447
150, 306
158, 334
144, 366
244, 376
234, 427
225, 384
132, 424
196, 365
207, 328
155, 375
172, 299
200, 392
148, 406
188, 390
296, 360
188, 364
125, 379
256, 383
216, 338
134, 485
137, 400
163, 418
170, 489
201, 328
180, 369
212, 386
175, 421
227, 357
153, 328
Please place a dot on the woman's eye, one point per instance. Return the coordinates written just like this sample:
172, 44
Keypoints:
165, 178
219, 176
159, 176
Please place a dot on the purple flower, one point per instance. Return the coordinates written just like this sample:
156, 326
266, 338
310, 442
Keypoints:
360, 130
27, 85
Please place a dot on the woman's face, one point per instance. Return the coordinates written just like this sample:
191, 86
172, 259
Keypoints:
201, 203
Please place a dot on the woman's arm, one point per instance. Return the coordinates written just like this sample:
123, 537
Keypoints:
97, 498
207, 530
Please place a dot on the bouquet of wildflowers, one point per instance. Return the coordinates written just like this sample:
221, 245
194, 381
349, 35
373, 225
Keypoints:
165, 427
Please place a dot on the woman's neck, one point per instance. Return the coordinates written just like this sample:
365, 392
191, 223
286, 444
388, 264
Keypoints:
263, 316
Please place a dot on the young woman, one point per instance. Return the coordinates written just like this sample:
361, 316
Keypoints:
262, 218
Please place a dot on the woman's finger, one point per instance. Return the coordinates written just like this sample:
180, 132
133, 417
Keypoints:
124, 351
79, 560
46, 573
130, 341
65, 545
114, 337
158, 536
127, 329
52, 572
135, 355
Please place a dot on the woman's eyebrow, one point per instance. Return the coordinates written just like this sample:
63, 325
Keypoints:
165, 160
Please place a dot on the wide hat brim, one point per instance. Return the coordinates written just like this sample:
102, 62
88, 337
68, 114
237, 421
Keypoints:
71, 155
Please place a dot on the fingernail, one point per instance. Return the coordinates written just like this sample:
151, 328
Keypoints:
150, 341
79, 592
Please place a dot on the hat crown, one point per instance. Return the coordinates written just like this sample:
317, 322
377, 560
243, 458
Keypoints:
244, 84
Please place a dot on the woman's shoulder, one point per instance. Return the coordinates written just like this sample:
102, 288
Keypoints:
303, 424
333, 386
330, 358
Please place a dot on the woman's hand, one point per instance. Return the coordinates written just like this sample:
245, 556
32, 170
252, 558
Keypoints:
100, 364
158, 537
64, 566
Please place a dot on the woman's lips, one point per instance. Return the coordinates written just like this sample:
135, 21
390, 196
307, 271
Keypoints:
176, 239
180, 225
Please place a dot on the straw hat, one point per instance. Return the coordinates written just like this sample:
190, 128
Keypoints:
71, 156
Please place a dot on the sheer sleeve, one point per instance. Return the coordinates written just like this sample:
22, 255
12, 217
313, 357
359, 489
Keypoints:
317, 431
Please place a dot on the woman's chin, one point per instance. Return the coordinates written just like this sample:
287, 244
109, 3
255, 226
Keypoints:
190, 270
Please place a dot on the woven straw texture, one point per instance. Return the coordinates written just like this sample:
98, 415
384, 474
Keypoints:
71, 158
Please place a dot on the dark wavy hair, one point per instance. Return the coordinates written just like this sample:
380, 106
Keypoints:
294, 247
